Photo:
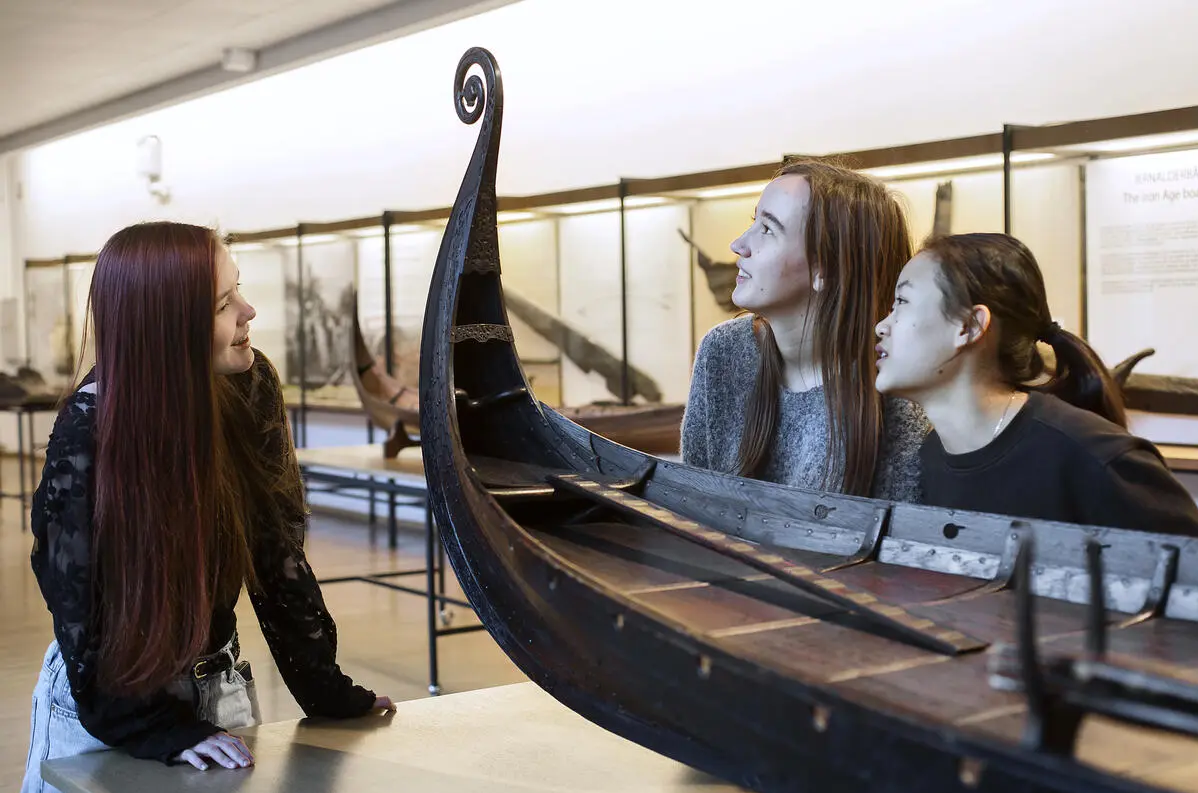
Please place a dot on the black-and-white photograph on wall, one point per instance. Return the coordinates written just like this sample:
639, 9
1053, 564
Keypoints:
10, 311
49, 348
328, 279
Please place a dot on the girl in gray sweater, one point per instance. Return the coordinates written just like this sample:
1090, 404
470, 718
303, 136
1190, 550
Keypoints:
787, 395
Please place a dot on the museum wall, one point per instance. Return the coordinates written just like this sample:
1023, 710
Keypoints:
10, 270
374, 129
1046, 215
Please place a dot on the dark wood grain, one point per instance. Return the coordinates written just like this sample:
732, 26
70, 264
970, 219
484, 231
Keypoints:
629, 557
822, 651
1162, 647
992, 616
1169, 641
941, 692
903, 585
741, 604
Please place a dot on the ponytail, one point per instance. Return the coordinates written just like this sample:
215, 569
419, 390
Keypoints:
1081, 378
1000, 272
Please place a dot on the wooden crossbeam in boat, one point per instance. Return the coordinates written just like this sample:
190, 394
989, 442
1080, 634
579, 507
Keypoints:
513, 480
918, 630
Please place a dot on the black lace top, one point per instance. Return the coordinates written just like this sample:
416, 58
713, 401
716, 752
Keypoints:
299, 630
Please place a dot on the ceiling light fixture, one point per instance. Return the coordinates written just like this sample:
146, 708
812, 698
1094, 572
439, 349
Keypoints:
149, 167
957, 165
1141, 143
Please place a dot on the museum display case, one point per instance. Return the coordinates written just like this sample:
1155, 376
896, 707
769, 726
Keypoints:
611, 288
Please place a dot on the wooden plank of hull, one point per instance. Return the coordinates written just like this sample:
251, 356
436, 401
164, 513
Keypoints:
647, 640
904, 586
629, 558
611, 550
1165, 644
713, 608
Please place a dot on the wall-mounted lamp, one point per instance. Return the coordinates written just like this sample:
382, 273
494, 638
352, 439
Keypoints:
239, 60
149, 167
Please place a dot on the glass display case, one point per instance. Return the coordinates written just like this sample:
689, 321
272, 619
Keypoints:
611, 288
48, 347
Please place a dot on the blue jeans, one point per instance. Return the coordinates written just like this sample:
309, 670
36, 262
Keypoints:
226, 699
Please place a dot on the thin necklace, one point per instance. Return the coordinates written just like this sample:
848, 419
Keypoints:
1004, 415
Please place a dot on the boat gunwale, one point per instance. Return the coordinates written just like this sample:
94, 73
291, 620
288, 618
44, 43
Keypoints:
913, 534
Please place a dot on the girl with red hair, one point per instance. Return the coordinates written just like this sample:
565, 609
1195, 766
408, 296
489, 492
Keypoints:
170, 482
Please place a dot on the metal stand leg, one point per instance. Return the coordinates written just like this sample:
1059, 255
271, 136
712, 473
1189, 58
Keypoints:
21, 471
435, 563
440, 566
446, 611
32, 455
372, 492
392, 526
434, 685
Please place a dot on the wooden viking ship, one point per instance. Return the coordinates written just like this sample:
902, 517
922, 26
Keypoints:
651, 428
721, 276
786, 639
390, 404
1155, 393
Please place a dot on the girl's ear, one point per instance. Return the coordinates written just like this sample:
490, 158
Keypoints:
974, 327
817, 280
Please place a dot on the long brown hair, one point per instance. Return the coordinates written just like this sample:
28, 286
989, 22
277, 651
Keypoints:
857, 239
170, 518
999, 272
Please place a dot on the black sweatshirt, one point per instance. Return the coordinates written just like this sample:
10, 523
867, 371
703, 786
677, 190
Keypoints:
1058, 462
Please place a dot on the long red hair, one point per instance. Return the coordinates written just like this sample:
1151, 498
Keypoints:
169, 520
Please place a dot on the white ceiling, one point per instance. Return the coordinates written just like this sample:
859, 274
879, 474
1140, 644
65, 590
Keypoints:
62, 56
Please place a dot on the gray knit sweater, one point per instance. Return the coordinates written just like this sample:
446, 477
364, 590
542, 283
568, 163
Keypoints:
725, 368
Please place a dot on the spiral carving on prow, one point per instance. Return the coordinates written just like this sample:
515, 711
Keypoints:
470, 95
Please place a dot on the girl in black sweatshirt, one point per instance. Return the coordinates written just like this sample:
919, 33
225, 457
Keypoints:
960, 340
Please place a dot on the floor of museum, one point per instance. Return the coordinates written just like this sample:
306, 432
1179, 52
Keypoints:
381, 633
